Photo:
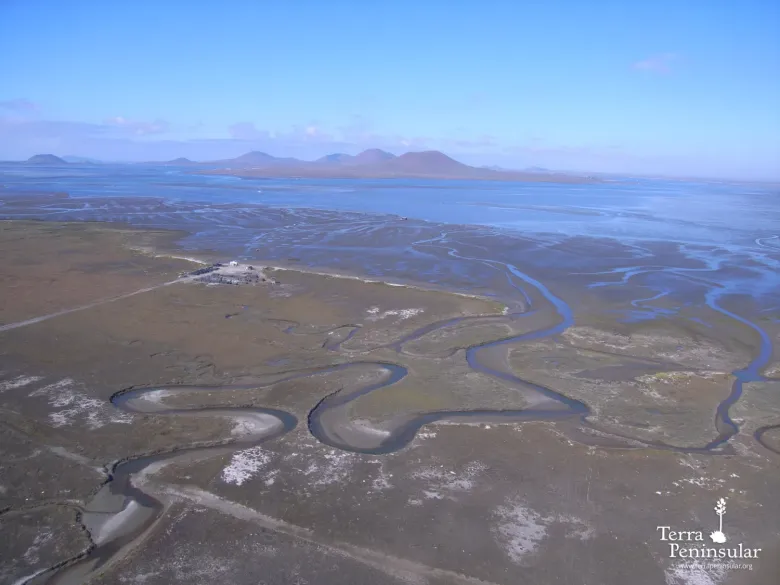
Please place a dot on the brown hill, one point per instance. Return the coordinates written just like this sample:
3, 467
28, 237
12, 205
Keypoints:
257, 159
429, 162
181, 161
372, 156
338, 158
46, 160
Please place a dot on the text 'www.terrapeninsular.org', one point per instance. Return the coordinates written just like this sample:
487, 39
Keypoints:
725, 566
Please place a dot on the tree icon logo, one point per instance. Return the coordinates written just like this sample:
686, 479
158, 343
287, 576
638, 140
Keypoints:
720, 509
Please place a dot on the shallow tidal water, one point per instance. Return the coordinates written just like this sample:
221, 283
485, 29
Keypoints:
728, 232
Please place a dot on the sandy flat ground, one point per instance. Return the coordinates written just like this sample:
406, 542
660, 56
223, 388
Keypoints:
484, 502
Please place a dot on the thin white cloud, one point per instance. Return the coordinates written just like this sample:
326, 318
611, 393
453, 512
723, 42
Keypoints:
139, 128
247, 131
478, 143
310, 133
23, 136
19, 105
661, 63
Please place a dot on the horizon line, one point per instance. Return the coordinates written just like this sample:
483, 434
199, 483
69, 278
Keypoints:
543, 170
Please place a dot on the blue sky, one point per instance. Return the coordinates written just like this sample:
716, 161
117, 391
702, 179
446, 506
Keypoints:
667, 87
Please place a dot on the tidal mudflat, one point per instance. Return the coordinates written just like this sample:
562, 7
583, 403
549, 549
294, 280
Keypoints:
459, 409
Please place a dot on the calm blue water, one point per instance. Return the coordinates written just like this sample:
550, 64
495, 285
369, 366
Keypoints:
710, 213
677, 240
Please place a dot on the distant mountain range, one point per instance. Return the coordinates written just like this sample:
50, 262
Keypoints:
371, 163
374, 163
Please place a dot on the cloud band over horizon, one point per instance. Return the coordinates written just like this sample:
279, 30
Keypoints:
25, 132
